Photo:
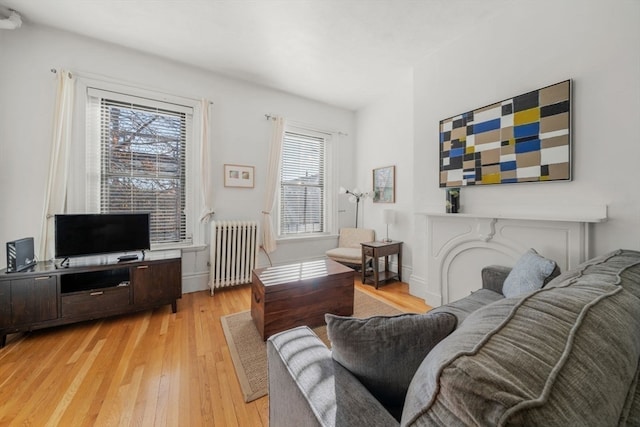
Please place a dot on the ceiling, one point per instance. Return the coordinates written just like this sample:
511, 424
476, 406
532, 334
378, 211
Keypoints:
341, 52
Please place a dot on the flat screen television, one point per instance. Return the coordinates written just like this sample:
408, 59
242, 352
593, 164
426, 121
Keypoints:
92, 234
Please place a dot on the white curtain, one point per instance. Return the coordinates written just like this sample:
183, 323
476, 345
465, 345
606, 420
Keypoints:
205, 164
273, 179
56, 192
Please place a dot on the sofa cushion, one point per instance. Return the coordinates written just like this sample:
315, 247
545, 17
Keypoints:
467, 305
383, 352
613, 268
631, 414
528, 274
308, 388
563, 355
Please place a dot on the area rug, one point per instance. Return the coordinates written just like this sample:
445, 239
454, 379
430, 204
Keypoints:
249, 352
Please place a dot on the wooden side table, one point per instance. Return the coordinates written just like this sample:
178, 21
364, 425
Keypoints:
377, 250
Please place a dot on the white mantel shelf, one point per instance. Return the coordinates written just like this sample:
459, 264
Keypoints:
569, 217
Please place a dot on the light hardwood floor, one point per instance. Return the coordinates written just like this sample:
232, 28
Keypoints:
153, 368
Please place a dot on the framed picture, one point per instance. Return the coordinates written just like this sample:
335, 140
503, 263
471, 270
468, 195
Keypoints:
238, 176
526, 138
384, 185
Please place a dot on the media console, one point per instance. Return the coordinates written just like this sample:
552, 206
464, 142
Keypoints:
48, 295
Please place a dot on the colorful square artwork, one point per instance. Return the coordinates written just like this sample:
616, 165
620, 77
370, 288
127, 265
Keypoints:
523, 139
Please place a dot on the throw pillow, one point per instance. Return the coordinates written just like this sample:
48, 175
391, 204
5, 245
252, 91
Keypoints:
384, 352
528, 274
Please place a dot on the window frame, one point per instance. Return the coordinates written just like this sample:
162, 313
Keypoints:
329, 184
80, 199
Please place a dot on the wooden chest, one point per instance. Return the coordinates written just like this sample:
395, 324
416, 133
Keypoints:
287, 296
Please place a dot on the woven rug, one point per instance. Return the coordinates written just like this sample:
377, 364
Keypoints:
249, 352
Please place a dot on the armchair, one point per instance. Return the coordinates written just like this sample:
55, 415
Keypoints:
349, 251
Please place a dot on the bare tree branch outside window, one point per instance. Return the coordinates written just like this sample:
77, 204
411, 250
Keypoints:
143, 165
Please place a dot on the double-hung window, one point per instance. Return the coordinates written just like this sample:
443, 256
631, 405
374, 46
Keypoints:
137, 160
303, 173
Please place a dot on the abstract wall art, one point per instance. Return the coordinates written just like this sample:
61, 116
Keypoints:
526, 138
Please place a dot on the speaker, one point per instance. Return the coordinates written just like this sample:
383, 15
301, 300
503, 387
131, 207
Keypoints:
20, 255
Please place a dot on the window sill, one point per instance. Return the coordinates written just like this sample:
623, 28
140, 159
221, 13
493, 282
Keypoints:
304, 239
184, 247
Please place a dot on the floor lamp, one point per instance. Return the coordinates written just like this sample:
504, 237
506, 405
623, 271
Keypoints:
355, 196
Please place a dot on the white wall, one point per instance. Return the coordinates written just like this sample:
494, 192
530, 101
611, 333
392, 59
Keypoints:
385, 138
537, 43
240, 132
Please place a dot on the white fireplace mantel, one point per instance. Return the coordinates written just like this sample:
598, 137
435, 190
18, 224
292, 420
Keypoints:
459, 245
584, 217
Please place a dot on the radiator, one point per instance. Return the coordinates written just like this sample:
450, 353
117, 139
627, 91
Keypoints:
233, 252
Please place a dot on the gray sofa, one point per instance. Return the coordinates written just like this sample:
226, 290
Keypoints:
564, 355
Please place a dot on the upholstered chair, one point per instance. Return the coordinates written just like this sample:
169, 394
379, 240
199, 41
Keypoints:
349, 251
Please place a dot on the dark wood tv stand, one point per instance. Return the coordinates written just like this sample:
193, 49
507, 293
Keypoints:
48, 295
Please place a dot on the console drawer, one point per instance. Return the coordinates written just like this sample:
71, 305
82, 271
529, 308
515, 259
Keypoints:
96, 302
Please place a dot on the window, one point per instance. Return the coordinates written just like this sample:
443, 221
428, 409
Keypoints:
137, 161
303, 204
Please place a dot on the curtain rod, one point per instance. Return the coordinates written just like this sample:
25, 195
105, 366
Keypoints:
54, 71
311, 127
111, 80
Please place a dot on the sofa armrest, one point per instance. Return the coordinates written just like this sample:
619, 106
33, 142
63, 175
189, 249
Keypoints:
493, 277
308, 388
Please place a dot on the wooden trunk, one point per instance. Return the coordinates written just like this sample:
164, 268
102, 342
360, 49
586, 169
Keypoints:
287, 296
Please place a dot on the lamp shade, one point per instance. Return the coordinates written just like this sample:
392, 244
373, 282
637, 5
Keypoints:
389, 216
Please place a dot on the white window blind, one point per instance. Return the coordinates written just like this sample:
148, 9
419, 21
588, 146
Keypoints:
302, 184
141, 160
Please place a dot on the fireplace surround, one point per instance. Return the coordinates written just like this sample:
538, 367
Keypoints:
447, 262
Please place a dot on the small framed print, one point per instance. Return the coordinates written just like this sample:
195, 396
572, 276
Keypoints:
238, 176
384, 182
